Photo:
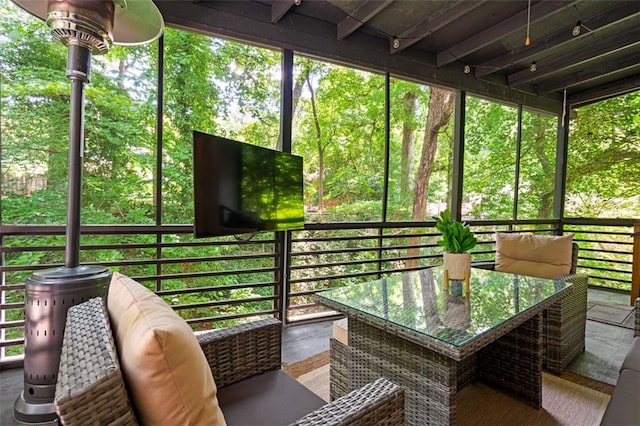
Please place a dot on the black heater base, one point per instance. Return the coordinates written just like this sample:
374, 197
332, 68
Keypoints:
48, 296
34, 413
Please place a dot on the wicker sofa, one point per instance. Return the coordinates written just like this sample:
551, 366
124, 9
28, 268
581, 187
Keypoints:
244, 360
624, 405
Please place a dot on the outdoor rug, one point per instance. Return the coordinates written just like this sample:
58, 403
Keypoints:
614, 314
566, 400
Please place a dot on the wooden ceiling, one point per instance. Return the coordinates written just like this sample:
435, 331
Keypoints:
588, 48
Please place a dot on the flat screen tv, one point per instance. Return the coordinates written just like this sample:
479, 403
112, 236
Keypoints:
241, 188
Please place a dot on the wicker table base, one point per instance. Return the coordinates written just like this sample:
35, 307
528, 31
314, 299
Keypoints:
512, 363
432, 342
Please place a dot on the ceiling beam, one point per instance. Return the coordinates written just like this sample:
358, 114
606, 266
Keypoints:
607, 69
490, 35
433, 23
589, 53
595, 23
607, 91
279, 8
360, 16
316, 38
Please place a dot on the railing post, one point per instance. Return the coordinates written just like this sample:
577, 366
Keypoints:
635, 268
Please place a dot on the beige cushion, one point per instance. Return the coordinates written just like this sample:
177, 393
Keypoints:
167, 375
534, 255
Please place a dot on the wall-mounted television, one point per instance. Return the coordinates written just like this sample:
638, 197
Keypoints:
241, 188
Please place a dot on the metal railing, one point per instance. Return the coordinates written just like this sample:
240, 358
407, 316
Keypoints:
214, 283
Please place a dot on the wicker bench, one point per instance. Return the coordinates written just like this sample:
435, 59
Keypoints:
91, 388
624, 405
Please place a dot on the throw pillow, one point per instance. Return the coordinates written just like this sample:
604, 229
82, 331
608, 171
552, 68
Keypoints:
540, 256
167, 374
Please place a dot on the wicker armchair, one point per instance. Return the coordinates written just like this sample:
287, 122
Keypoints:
91, 388
565, 322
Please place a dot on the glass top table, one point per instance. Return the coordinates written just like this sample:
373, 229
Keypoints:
433, 338
418, 301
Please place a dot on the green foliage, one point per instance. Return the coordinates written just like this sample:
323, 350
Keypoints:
456, 236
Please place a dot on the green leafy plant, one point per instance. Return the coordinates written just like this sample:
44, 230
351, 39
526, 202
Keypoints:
456, 236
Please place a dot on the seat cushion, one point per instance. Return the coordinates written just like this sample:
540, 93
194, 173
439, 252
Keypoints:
542, 256
624, 405
632, 360
167, 374
272, 398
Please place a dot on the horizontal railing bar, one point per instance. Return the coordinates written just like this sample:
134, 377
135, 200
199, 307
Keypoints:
226, 302
16, 305
11, 342
320, 316
96, 229
356, 275
624, 262
361, 250
597, 268
270, 312
126, 263
165, 277
597, 221
363, 237
336, 251
594, 232
150, 245
334, 277
360, 262
12, 324
625, 243
598, 250
12, 287
599, 277
191, 290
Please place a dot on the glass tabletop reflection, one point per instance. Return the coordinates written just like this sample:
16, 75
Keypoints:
418, 301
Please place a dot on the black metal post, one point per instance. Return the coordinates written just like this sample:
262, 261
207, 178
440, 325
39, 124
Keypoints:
78, 69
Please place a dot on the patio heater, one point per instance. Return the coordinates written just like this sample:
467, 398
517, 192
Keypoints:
86, 27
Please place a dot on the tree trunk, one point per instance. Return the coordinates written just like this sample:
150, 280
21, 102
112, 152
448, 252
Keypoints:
406, 161
545, 208
319, 145
441, 103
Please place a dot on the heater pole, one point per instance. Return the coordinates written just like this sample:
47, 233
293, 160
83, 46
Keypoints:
78, 69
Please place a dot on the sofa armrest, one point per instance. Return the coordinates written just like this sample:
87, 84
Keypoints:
90, 388
637, 327
378, 401
242, 351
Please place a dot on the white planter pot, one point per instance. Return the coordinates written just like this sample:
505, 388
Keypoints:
457, 265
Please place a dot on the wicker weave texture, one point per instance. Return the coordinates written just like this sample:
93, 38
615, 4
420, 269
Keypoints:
565, 325
513, 363
240, 352
90, 388
338, 369
565, 322
429, 378
378, 403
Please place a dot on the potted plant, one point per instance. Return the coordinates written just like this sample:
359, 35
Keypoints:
457, 240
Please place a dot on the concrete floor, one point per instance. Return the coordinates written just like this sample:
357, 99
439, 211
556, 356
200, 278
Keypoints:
606, 346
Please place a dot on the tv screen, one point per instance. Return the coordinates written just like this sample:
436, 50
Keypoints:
241, 188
